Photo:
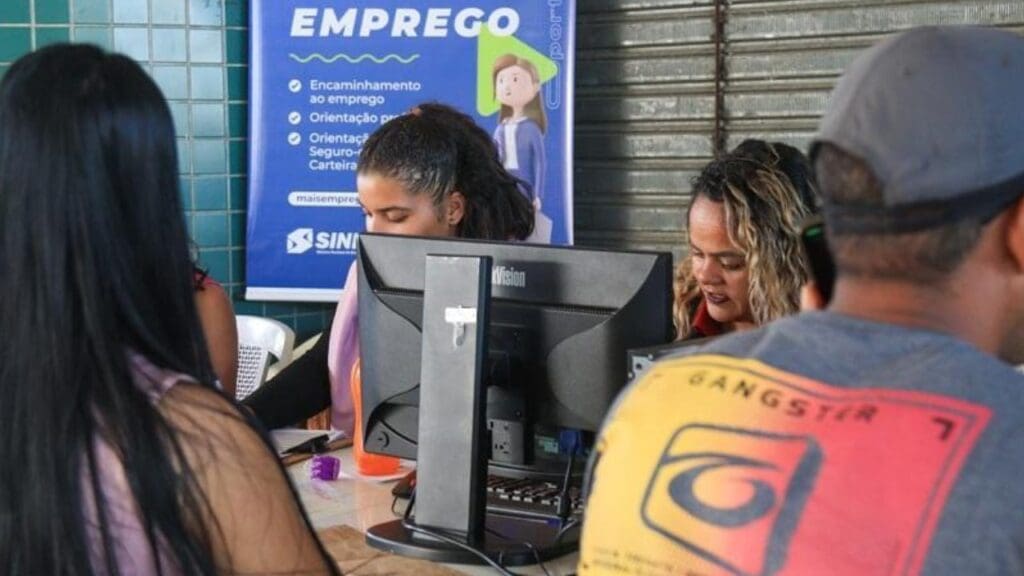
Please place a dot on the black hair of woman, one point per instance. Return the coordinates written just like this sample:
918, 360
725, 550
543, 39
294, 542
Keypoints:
435, 149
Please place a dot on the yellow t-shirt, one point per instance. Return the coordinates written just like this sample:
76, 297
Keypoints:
712, 465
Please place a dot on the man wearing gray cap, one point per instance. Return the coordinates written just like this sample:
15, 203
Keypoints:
883, 435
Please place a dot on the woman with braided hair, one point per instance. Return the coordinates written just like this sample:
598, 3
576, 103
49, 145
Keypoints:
430, 172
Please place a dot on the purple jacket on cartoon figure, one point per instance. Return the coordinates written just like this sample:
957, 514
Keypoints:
525, 158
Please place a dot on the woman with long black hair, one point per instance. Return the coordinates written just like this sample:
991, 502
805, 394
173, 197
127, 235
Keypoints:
119, 456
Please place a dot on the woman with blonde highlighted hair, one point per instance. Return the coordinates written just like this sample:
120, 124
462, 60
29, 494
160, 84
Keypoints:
746, 264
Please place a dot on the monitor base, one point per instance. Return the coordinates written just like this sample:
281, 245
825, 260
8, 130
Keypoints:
509, 548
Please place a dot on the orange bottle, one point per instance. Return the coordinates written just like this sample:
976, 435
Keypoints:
367, 464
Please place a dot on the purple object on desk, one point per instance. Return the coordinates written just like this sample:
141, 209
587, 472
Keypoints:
324, 467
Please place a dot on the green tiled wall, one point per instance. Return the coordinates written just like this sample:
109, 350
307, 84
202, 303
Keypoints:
198, 53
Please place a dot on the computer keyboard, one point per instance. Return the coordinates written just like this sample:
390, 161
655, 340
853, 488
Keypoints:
514, 496
529, 497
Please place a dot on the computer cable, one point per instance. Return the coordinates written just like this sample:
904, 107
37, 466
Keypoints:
525, 544
572, 523
564, 505
393, 502
497, 565
412, 527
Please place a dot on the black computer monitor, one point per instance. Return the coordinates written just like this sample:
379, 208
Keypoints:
549, 353
561, 322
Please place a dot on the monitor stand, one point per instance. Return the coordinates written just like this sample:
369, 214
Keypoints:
452, 454
509, 548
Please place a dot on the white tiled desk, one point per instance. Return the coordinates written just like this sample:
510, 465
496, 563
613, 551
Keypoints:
364, 503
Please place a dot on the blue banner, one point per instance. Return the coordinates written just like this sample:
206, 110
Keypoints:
324, 75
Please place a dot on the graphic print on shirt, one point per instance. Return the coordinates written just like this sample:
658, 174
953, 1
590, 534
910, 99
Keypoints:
720, 466
675, 507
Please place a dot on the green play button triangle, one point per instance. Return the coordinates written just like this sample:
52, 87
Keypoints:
488, 48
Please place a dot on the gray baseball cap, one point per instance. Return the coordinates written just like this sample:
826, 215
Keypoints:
938, 115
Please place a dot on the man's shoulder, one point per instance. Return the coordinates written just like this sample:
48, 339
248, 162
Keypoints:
738, 344
826, 442
843, 351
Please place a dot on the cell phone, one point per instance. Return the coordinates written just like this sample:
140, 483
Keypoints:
823, 269
314, 445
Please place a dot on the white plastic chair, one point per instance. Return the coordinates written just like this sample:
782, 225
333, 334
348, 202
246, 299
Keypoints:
258, 339
297, 353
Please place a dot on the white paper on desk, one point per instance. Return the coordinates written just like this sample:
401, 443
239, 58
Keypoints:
287, 438
348, 470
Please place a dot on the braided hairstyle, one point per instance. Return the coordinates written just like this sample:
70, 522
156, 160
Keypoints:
435, 149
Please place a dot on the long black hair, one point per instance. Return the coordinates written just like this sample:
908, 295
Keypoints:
436, 150
94, 266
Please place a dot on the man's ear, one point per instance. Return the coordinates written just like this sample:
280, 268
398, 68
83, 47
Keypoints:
455, 209
1015, 233
811, 298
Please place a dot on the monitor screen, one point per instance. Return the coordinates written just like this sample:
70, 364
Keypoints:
561, 322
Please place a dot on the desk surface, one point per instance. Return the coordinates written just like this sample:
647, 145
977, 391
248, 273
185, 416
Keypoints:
362, 503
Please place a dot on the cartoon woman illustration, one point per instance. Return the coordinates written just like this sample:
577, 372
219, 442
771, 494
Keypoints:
521, 126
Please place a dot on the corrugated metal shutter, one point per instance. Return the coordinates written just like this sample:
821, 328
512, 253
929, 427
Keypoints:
644, 117
646, 91
784, 57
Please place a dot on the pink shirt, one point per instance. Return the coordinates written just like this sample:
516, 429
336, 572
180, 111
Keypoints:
343, 350
131, 548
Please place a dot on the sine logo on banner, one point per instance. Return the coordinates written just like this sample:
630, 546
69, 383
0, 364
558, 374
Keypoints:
324, 76
300, 240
